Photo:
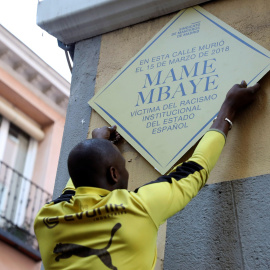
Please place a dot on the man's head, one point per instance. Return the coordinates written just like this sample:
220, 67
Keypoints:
97, 163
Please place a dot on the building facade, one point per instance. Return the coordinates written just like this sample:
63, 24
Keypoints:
33, 102
226, 225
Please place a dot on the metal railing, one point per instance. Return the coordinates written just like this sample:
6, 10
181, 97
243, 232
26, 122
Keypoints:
20, 200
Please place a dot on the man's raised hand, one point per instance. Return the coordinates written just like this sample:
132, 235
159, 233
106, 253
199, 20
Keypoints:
238, 97
107, 133
241, 96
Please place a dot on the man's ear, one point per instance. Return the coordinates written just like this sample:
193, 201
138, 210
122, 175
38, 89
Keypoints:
114, 175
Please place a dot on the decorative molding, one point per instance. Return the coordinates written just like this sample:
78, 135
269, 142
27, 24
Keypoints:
17, 58
71, 21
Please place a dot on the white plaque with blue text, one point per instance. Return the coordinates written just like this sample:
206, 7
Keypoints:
166, 97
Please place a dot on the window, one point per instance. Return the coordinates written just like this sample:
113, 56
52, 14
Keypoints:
17, 156
18, 195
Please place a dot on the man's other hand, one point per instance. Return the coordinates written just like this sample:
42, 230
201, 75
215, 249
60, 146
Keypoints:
108, 133
241, 96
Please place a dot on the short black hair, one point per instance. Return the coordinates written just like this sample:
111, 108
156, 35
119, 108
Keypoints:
89, 160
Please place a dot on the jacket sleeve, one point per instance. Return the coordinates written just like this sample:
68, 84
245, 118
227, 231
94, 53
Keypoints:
171, 193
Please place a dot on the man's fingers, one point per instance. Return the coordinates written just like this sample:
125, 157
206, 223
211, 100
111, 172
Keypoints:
112, 128
243, 84
118, 136
255, 88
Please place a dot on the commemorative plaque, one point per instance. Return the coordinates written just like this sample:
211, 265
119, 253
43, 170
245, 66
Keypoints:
166, 96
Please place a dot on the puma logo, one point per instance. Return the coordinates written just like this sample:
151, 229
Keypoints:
67, 250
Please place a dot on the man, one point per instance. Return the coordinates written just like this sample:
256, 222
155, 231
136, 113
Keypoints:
99, 224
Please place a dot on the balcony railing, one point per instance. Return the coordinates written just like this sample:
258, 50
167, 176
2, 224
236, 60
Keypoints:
20, 200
